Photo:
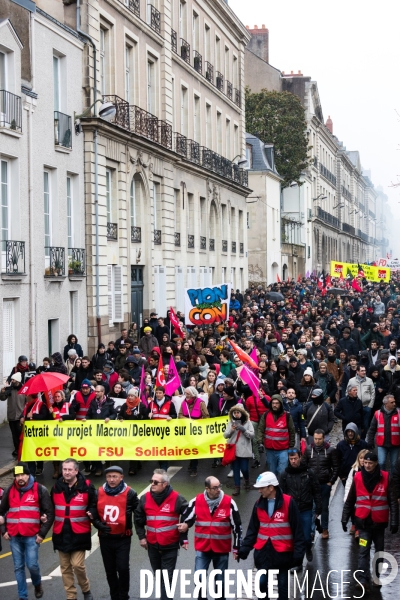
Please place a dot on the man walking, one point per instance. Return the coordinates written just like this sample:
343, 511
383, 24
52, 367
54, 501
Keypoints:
385, 432
156, 522
73, 497
350, 409
27, 511
348, 449
277, 433
215, 517
116, 503
366, 393
15, 406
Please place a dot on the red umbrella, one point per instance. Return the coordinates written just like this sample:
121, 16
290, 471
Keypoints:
43, 383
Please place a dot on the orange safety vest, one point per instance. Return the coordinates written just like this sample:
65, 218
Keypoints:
160, 413
83, 405
213, 532
394, 428
23, 516
275, 528
162, 521
75, 511
374, 503
112, 511
276, 434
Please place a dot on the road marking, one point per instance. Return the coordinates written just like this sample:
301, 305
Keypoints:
9, 553
46, 578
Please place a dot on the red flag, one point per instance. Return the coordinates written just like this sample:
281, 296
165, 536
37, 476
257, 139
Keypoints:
142, 385
160, 379
328, 281
50, 399
177, 325
341, 275
242, 355
298, 278
250, 379
356, 286
173, 378
278, 279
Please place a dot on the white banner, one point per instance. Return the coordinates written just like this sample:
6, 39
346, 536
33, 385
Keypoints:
207, 305
390, 263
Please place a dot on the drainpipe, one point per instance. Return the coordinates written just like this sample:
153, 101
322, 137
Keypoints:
32, 316
96, 164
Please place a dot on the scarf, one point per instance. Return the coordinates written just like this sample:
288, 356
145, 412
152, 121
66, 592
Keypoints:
371, 479
28, 486
131, 404
121, 487
159, 498
101, 402
213, 503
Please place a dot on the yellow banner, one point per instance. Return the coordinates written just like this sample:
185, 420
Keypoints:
181, 439
370, 273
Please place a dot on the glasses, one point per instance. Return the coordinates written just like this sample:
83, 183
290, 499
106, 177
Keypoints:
154, 482
293, 451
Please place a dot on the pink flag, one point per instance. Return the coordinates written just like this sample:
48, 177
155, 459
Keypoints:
248, 377
173, 379
142, 385
253, 355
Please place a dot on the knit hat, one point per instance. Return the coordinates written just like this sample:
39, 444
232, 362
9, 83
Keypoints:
230, 391
16, 376
276, 397
147, 329
21, 468
371, 456
181, 365
293, 359
308, 371
86, 382
72, 352
132, 359
317, 392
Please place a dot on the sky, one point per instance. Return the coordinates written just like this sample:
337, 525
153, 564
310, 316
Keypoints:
351, 49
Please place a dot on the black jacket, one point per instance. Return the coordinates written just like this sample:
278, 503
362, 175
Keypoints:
131, 504
330, 384
347, 454
45, 504
323, 460
107, 410
267, 557
348, 344
350, 410
387, 428
302, 484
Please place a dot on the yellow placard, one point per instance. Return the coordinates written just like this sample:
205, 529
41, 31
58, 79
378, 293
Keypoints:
371, 273
181, 439
18, 470
362, 542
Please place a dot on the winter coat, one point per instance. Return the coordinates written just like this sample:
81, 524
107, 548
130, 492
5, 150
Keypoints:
372, 336
147, 343
305, 391
82, 374
99, 360
323, 420
298, 374
296, 411
323, 460
387, 428
15, 401
290, 426
244, 447
365, 390
335, 369
328, 384
302, 484
350, 410
392, 378
58, 366
347, 452
76, 347
120, 361
107, 410
45, 504
348, 344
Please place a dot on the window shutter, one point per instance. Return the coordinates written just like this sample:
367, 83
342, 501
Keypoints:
110, 293
8, 337
118, 306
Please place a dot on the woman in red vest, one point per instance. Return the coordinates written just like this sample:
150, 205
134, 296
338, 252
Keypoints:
61, 411
193, 407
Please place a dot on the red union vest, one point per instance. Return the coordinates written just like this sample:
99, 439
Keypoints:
196, 410
394, 428
162, 521
112, 510
83, 405
375, 503
59, 413
33, 408
213, 532
275, 528
75, 511
160, 413
276, 434
256, 408
23, 516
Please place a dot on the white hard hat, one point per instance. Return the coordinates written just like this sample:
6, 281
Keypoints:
265, 479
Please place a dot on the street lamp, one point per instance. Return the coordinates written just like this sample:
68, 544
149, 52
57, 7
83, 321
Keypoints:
319, 197
242, 160
338, 206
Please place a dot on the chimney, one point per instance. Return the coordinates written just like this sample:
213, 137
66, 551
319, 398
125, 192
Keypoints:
259, 41
329, 124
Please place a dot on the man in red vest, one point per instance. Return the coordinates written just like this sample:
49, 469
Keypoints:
156, 522
374, 506
385, 432
116, 503
161, 408
276, 432
215, 517
73, 497
27, 510
275, 532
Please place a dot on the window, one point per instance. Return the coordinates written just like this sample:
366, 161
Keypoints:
207, 43
249, 157
190, 214
219, 133
3, 74
177, 211
182, 19
228, 152
56, 82
217, 53
173, 102
47, 211
103, 61
135, 198
115, 286
9, 338
157, 206
235, 140
196, 120
184, 111
5, 200
151, 83
227, 64
203, 216
195, 39
248, 220
109, 195
129, 83
74, 313
233, 225
70, 216
208, 126
160, 289
235, 72
241, 233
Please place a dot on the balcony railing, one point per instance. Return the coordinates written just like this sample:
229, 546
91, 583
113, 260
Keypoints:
209, 74
203, 242
193, 149
122, 110
315, 162
155, 18
136, 234
190, 240
197, 62
165, 134
229, 90
327, 174
177, 238
211, 244
346, 193
185, 51
241, 248
371, 213
348, 228
224, 245
10, 111
181, 144
13, 257
219, 82
157, 237
327, 218
234, 247
54, 261
133, 5
62, 130
76, 261
112, 231
174, 41
361, 206
237, 97
362, 235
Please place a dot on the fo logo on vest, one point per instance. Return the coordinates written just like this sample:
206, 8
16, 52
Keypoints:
111, 512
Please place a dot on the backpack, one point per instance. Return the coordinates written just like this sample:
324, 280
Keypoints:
275, 352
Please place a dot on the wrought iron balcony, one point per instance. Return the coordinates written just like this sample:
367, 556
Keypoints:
237, 97
244, 177
219, 83
177, 238
241, 248
211, 244
203, 242
327, 218
315, 162
327, 174
76, 261
197, 62
190, 240
157, 237
229, 90
165, 134
185, 51
112, 231
234, 247
174, 41
209, 74
361, 206
371, 213
54, 261
136, 234
10, 111
62, 130
143, 123
181, 144
345, 193
224, 245
13, 257
133, 5
193, 151
122, 110
348, 228
155, 18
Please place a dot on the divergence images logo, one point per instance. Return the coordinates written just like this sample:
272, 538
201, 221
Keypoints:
384, 560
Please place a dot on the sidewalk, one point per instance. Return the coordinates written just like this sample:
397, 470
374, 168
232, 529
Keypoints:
6, 447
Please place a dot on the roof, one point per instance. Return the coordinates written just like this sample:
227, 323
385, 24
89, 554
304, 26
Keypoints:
7, 22
262, 155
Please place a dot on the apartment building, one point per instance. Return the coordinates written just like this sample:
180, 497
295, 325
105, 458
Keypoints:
43, 287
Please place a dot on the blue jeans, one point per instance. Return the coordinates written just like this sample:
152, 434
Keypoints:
240, 464
307, 520
283, 589
325, 494
25, 551
220, 561
393, 455
277, 461
367, 419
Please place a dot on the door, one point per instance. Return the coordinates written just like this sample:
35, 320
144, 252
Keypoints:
137, 295
8, 337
